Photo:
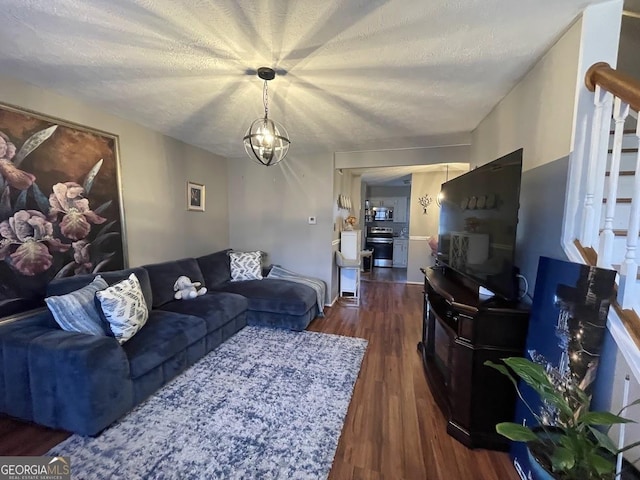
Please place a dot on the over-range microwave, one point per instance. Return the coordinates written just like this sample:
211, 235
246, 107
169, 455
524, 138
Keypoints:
382, 213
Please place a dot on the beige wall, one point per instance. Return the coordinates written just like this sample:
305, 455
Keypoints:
537, 114
270, 206
629, 46
422, 226
154, 171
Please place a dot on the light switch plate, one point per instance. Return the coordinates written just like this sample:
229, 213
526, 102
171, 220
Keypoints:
312, 220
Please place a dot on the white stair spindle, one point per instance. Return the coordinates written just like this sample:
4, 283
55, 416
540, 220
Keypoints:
597, 163
577, 168
605, 250
629, 268
601, 169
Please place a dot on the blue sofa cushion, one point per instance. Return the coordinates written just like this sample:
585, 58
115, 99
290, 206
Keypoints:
58, 379
275, 296
164, 335
162, 276
76, 311
215, 268
62, 286
215, 308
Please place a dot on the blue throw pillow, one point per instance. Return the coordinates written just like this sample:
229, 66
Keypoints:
123, 307
76, 311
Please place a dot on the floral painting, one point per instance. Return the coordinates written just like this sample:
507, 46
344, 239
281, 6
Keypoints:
60, 208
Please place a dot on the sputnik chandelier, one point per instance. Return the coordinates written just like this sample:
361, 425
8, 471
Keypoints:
266, 141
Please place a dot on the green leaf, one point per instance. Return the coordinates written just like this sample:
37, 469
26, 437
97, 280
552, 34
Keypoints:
531, 373
558, 401
602, 418
562, 459
604, 441
33, 142
570, 443
600, 464
91, 176
516, 432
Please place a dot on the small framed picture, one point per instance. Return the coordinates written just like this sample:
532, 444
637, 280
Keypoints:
195, 197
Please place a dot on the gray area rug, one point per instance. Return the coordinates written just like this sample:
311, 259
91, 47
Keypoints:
266, 404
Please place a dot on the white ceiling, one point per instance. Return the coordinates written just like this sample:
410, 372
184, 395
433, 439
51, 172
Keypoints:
356, 73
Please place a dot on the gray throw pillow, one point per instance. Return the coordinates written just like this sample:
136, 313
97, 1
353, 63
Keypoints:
76, 311
123, 307
245, 266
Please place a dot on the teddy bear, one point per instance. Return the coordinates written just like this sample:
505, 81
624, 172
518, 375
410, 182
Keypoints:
186, 289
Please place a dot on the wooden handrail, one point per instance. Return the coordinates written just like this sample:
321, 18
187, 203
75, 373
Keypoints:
620, 84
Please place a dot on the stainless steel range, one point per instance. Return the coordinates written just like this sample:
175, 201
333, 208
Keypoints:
380, 240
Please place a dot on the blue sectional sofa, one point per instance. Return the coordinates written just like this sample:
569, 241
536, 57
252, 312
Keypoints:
83, 383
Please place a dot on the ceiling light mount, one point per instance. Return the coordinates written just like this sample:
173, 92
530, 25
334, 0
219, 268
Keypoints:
267, 141
266, 73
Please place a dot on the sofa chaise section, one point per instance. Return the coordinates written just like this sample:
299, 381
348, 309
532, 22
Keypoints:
276, 303
271, 302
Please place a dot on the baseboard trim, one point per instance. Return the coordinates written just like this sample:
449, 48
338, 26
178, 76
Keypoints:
333, 302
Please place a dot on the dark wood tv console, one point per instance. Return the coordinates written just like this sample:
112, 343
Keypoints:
460, 332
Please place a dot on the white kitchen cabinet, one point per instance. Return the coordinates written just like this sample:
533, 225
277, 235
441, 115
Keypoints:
379, 202
400, 252
399, 205
400, 210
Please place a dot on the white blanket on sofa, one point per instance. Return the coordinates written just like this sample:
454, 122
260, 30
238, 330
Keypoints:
318, 285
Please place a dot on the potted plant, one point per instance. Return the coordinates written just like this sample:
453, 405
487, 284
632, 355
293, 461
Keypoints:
566, 442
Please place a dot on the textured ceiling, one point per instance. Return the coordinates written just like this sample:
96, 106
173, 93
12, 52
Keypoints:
357, 74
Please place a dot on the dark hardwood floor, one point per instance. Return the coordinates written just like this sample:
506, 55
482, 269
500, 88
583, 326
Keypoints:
382, 274
393, 429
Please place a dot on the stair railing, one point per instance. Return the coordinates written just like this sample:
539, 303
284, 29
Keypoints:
615, 94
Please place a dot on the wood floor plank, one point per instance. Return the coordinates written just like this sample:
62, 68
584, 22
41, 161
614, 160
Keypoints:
393, 429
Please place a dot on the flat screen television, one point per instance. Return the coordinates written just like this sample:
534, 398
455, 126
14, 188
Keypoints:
478, 221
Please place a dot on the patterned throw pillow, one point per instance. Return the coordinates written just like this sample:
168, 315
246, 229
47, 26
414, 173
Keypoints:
76, 312
245, 266
123, 306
